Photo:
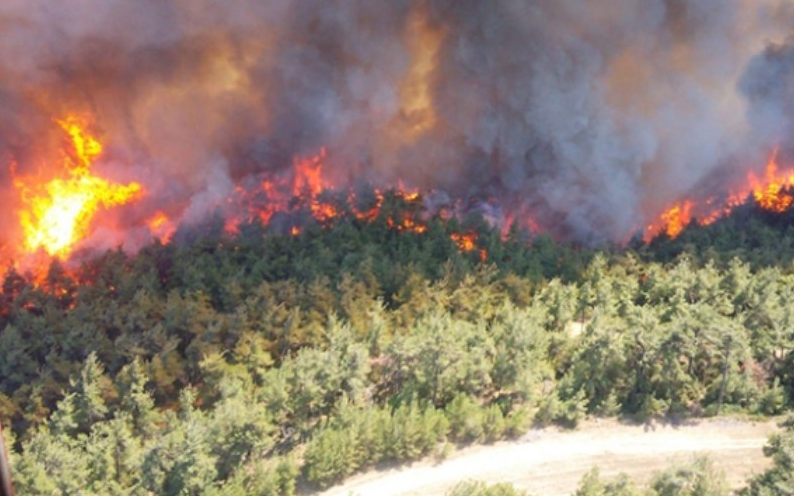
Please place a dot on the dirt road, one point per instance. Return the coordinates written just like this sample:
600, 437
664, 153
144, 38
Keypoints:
550, 462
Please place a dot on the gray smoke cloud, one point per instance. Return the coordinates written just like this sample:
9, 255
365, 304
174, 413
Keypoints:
590, 117
767, 84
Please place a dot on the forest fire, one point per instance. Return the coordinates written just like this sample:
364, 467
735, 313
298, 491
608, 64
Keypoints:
676, 218
58, 213
278, 115
161, 226
406, 224
285, 193
371, 213
771, 193
468, 242
307, 189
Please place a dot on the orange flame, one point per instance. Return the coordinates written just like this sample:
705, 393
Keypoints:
677, 217
161, 226
465, 242
308, 189
406, 224
371, 213
468, 243
309, 176
770, 193
324, 212
60, 212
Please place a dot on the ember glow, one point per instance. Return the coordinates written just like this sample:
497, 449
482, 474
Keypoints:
57, 214
372, 211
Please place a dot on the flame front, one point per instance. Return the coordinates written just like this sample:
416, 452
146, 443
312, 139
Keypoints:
771, 193
307, 190
59, 213
307, 187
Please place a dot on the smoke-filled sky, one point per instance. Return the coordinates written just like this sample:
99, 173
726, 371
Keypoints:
591, 116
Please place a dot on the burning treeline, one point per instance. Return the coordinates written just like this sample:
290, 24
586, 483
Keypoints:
773, 192
592, 121
57, 215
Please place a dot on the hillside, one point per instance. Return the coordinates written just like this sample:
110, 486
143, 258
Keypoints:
248, 363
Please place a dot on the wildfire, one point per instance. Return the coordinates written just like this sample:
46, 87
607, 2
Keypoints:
406, 224
324, 212
772, 193
59, 213
677, 217
308, 179
468, 243
371, 213
161, 226
407, 194
307, 189
288, 193
56, 214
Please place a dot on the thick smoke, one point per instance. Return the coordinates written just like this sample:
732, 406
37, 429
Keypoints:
768, 85
588, 116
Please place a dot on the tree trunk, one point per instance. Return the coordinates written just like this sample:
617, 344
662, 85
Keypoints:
6, 488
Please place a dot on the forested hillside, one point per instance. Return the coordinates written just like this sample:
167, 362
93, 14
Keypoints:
242, 364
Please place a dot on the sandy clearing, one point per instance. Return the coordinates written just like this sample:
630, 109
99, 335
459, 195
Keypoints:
550, 462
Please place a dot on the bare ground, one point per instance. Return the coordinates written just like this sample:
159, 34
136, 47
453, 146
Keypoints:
550, 461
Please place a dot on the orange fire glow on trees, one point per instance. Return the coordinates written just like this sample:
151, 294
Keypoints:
58, 214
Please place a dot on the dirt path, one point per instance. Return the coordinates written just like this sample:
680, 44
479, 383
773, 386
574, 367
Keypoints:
550, 462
